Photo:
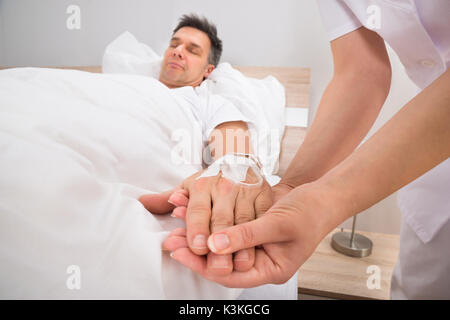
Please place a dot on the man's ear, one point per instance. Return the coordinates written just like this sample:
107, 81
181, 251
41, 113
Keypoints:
208, 70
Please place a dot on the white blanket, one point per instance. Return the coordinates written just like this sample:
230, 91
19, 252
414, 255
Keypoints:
260, 100
76, 151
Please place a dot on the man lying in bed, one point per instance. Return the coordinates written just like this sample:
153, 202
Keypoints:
192, 55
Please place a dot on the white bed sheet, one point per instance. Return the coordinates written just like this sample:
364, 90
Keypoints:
76, 151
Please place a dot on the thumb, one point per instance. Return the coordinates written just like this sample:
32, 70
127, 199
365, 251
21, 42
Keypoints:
157, 202
266, 229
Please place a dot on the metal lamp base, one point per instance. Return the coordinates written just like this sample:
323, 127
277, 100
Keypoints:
360, 246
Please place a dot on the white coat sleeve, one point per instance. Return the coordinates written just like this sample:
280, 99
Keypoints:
337, 18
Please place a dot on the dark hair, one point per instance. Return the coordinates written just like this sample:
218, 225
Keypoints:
202, 24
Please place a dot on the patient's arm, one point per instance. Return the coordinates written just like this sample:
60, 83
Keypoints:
229, 137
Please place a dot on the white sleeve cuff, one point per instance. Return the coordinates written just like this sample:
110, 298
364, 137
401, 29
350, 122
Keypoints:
343, 30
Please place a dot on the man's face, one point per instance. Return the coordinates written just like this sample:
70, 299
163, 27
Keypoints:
186, 59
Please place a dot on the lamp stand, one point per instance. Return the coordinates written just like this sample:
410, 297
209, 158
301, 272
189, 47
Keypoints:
352, 244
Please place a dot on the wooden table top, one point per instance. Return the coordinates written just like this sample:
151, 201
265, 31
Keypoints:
328, 273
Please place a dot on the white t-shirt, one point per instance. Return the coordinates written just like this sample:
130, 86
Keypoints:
210, 110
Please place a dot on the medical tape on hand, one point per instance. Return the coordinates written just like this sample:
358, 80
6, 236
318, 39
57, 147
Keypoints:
234, 167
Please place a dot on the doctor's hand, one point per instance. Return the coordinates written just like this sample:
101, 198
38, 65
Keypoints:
210, 204
286, 237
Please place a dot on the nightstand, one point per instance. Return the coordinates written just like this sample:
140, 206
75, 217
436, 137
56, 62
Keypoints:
329, 274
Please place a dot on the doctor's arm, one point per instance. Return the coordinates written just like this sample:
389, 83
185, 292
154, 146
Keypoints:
414, 141
411, 143
348, 108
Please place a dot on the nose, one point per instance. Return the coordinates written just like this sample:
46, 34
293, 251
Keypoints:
178, 52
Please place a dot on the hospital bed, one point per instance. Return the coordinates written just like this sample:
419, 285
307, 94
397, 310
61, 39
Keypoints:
296, 83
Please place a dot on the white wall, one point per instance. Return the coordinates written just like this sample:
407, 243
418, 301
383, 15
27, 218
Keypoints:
254, 32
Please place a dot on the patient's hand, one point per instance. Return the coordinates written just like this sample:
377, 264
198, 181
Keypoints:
210, 204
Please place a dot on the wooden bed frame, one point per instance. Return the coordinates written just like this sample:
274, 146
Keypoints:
296, 81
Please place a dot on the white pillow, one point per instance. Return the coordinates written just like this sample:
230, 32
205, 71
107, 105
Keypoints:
126, 55
260, 100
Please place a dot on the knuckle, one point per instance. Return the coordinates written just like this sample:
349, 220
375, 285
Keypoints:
249, 192
244, 215
263, 202
200, 184
199, 209
197, 214
262, 206
247, 235
222, 221
222, 216
224, 186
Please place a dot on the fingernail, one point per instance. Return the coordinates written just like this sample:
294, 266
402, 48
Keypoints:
220, 262
179, 212
199, 242
171, 255
218, 242
173, 198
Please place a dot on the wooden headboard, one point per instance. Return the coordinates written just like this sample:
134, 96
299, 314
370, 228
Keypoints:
296, 82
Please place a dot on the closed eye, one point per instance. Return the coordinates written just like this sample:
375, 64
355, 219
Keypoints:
194, 51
